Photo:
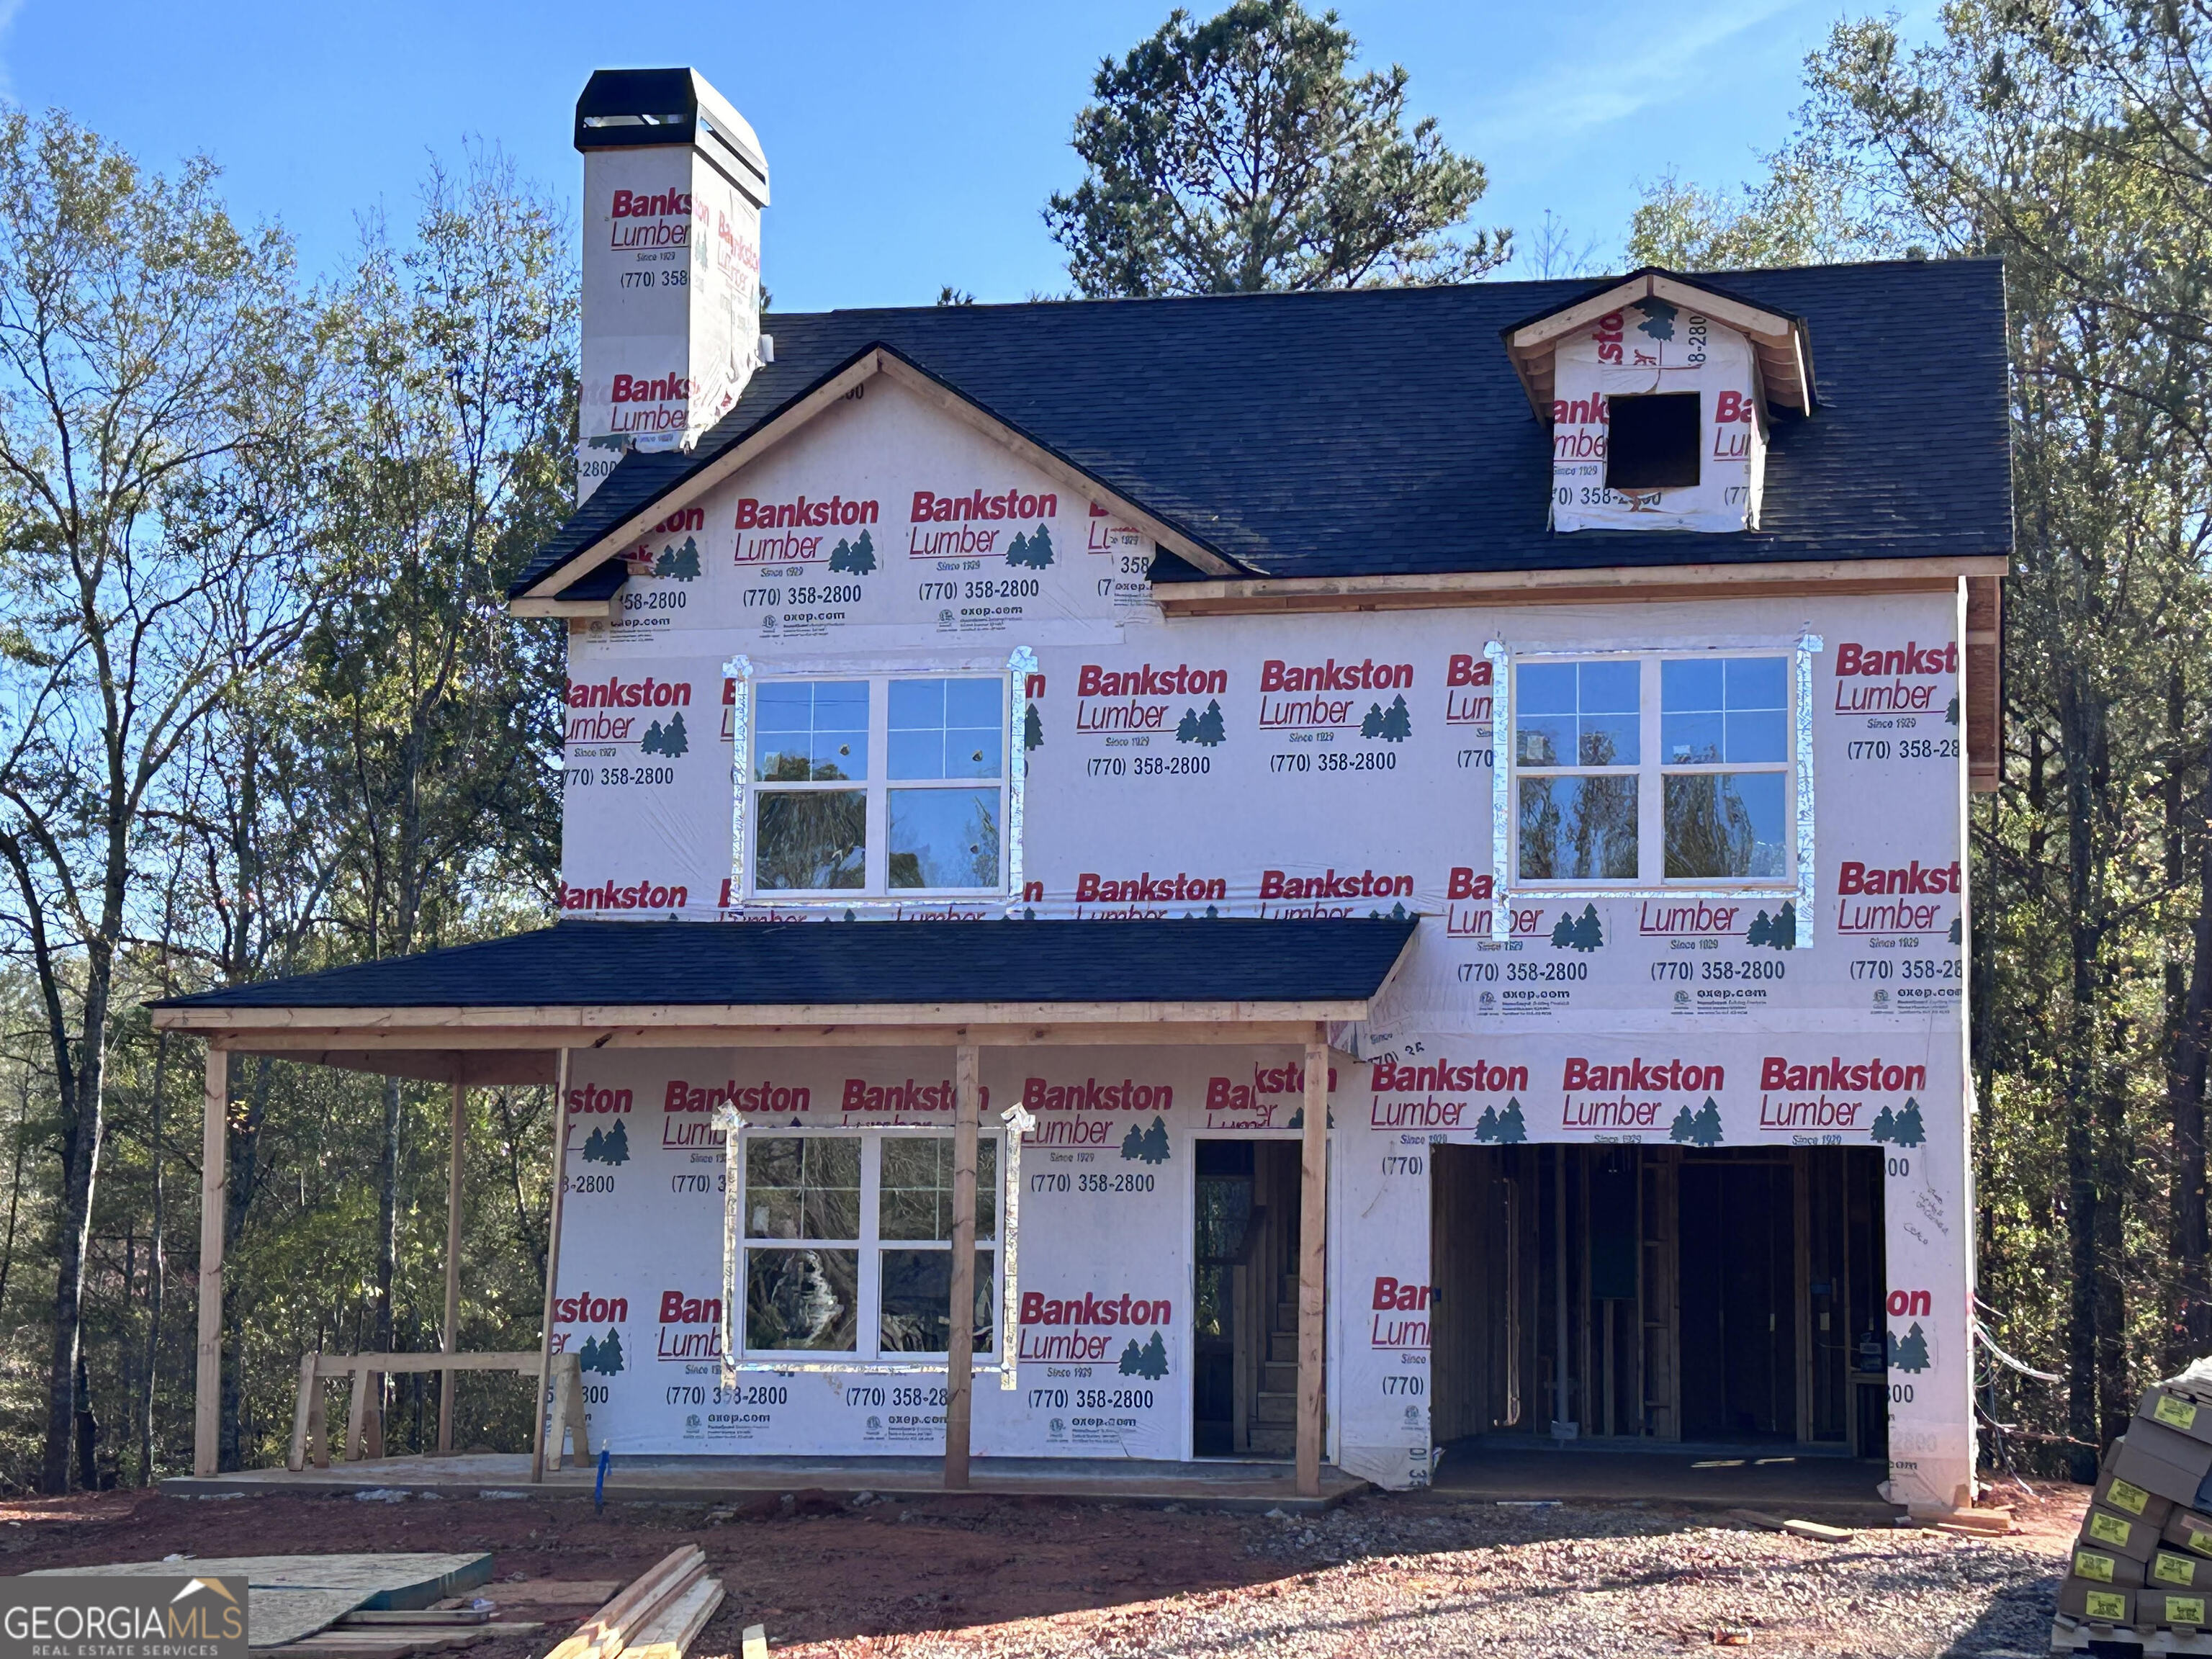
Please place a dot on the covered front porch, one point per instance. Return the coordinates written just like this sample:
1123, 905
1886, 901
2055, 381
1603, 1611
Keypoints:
528, 1009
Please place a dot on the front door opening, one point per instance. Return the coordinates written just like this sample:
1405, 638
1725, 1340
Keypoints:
1659, 1294
1245, 1342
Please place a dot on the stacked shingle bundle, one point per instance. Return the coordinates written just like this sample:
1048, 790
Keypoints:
2144, 1557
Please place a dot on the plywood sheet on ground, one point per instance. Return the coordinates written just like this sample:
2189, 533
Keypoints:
294, 1596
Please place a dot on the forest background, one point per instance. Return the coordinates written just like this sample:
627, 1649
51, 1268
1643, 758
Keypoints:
262, 711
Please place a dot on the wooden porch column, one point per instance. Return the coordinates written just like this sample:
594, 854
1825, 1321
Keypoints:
215, 1185
538, 1446
451, 1341
960, 1340
1313, 1222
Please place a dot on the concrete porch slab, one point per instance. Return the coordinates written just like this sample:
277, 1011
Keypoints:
1231, 1487
1810, 1486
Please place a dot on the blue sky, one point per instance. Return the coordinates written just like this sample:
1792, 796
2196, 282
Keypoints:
910, 145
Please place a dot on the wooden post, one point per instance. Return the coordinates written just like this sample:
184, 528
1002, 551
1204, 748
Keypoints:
451, 1342
214, 1184
960, 1340
552, 1264
1313, 1224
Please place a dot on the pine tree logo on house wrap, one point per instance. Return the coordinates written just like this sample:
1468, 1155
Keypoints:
1031, 552
1779, 930
1700, 1128
1583, 933
1149, 1361
670, 739
607, 1145
1392, 725
855, 558
680, 562
1658, 318
1909, 1352
1205, 730
1903, 1128
1032, 728
1506, 1128
1147, 1145
602, 1358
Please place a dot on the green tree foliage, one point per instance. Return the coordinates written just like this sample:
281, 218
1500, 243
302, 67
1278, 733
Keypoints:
1240, 154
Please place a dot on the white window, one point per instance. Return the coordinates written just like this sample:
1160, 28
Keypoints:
847, 1245
872, 786
1651, 771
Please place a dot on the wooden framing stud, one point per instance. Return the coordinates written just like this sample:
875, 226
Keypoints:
1313, 1222
215, 1186
450, 1337
537, 1436
960, 1335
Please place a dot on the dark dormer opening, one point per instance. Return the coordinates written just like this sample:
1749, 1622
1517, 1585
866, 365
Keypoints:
1652, 441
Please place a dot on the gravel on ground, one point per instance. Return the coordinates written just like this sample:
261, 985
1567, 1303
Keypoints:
979, 1577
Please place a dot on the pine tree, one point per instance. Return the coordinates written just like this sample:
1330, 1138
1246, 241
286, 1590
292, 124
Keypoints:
1705, 1130
1958, 930
1211, 727
595, 1146
650, 742
1590, 932
1910, 1131
1041, 549
1371, 726
1149, 1362
1154, 1147
1563, 931
1032, 729
1685, 1127
673, 741
1398, 723
1017, 550
1912, 1353
1512, 1130
1760, 931
1884, 1126
587, 1358
617, 1146
840, 557
1132, 1358
1784, 934
687, 561
610, 1353
1951, 712
1486, 1127
864, 555
1658, 318
1187, 727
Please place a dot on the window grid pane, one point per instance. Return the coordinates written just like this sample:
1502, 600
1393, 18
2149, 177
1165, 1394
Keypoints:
1579, 714
812, 732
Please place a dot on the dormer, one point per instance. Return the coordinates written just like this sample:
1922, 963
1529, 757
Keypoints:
1660, 392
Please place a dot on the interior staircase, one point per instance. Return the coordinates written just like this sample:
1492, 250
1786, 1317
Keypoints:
1275, 1412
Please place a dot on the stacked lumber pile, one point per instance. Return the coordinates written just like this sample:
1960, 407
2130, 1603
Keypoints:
656, 1617
2141, 1568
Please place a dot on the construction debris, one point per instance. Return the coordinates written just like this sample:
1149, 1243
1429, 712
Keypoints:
635, 1618
2123, 1584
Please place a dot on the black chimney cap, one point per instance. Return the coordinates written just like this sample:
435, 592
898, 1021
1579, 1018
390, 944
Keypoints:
625, 109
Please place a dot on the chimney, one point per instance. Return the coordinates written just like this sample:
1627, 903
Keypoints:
674, 184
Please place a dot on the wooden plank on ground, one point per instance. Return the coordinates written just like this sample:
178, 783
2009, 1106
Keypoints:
671, 1630
606, 1631
555, 1592
756, 1643
422, 1616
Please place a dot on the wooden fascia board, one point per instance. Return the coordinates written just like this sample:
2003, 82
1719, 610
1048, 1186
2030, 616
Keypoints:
589, 610
950, 402
589, 558
1611, 584
441, 1025
1559, 324
524, 1056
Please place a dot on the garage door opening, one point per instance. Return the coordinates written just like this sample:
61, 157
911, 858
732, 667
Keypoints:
1654, 1296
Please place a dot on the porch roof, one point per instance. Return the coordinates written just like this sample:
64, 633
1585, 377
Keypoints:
495, 1011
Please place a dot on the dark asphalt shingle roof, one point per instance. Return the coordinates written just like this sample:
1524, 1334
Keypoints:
784, 964
1382, 431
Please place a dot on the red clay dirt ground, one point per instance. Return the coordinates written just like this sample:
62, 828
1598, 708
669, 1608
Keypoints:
999, 1575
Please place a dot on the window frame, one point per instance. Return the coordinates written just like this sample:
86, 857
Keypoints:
867, 1351
1014, 675
1798, 881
